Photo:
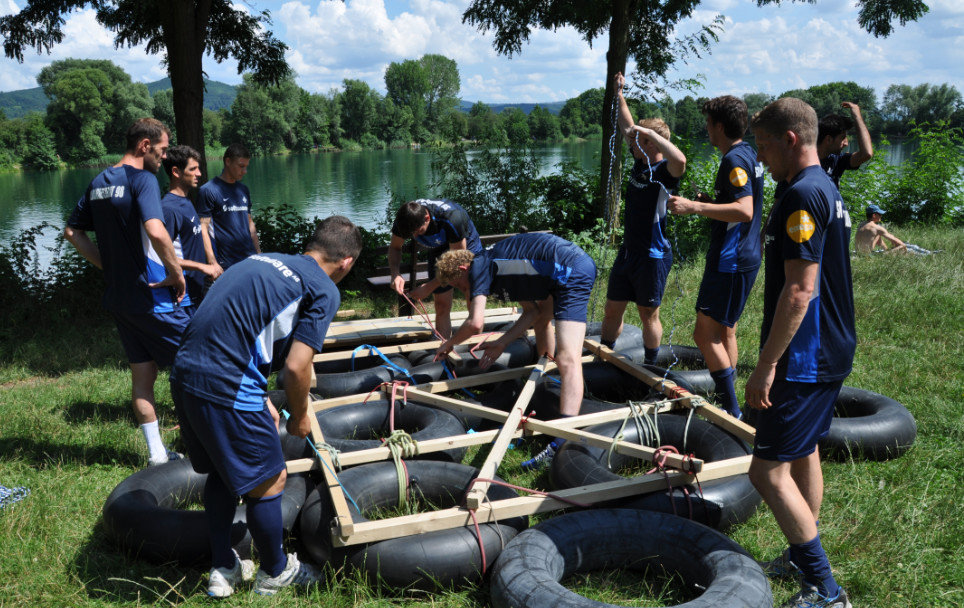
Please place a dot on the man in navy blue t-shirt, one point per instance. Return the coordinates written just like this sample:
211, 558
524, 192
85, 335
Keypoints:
224, 205
807, 341
182, 165
144, 282
645, 257
438, 226
733, 258
267, 311
832, 140
552, 279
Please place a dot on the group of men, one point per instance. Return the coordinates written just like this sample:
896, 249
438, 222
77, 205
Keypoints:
273, 310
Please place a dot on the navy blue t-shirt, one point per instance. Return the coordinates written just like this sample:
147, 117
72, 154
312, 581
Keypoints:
646, 198
184, 226
809, 222
450, 223
229, 207
243, 329
115, 206
835, 165
735, 246
524, 267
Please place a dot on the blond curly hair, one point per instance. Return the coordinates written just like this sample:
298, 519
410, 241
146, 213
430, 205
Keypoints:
447, 268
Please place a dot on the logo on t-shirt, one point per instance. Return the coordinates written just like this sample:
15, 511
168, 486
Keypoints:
800, 226
738, 177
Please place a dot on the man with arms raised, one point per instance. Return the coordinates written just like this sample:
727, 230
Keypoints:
439, 226
144, 282
183, 169
807, 341
552, 279
270, 310
645, 257
733, 258
832, 141
224, 205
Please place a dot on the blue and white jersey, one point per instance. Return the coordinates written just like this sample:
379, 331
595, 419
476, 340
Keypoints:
735, 246
243, 329
835, 165
229, 207
184, 226
450, 223
524, 267
115, 206
646, 198
809, 222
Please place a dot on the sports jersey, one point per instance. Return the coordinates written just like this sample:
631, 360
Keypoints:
244, 328
735, 246
809, 222
115, 206
524, 267
229, 207
449, 224
835, 165
182, 223
646, 198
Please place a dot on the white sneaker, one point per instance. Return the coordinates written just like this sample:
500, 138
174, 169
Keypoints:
295, 573
169, 456
224, 580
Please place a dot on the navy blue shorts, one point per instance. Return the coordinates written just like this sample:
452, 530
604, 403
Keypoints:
152, 336
723, 295
799, 417
242, 447
638, 278
571, 301
432, 261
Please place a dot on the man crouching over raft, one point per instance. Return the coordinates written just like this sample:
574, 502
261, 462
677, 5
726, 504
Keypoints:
266, 310
551, 279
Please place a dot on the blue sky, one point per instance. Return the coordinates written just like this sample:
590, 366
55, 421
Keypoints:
769, 49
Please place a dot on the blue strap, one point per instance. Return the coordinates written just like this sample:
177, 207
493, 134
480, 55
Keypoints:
449, 373
322, 461
387, 365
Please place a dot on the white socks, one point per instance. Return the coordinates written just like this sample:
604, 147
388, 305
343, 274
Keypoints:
155, 446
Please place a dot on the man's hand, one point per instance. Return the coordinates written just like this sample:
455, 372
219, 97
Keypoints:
398, 284
493, 350
421, 292
212, 271
175, 282
619, 81
443, 350
757, 391
854, 108
678, 205
299, 426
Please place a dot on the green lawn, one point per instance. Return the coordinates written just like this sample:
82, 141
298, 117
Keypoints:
893, 530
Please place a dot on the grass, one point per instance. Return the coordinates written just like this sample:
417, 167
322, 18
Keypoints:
893, 530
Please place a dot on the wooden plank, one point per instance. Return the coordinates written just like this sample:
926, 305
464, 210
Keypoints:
727, 422
667, 387
500, 510
397, 349
343, 522
476, 495
456, 315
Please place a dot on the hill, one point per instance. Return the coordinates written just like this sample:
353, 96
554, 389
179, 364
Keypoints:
553, 106
20, 103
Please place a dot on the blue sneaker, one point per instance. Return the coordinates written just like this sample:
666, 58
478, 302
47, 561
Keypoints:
542, 459
809, 597
781, 567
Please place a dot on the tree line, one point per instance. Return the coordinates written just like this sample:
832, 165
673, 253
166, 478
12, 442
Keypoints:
93, 101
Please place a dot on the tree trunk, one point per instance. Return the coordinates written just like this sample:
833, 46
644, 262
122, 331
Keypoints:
185, 29
615, 62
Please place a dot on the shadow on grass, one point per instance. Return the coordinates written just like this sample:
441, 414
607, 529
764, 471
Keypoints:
47, 453
109, 574
81, 412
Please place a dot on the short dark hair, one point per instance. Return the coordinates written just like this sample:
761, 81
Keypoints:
728, 111
409, 218
236, 150
833, 125
788, 114
177, 157
337, 238
145, 128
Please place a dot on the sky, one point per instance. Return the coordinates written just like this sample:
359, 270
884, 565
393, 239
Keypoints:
762, 50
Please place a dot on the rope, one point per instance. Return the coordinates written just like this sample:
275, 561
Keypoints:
401, 445
423, 312
333, 454
9, 496
646, 429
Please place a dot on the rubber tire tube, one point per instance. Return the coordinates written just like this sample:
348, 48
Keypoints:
145, 515
349, 428
698, 381
528, 572
363, 360
868, 425
630, 337
359, 381
722, 504
685, 356
444, 558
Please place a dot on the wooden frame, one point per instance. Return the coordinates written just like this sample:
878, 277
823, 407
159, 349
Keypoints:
514, 424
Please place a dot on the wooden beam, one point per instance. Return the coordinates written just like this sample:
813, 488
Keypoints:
343, 522
396, 349
476, 494
500, 510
